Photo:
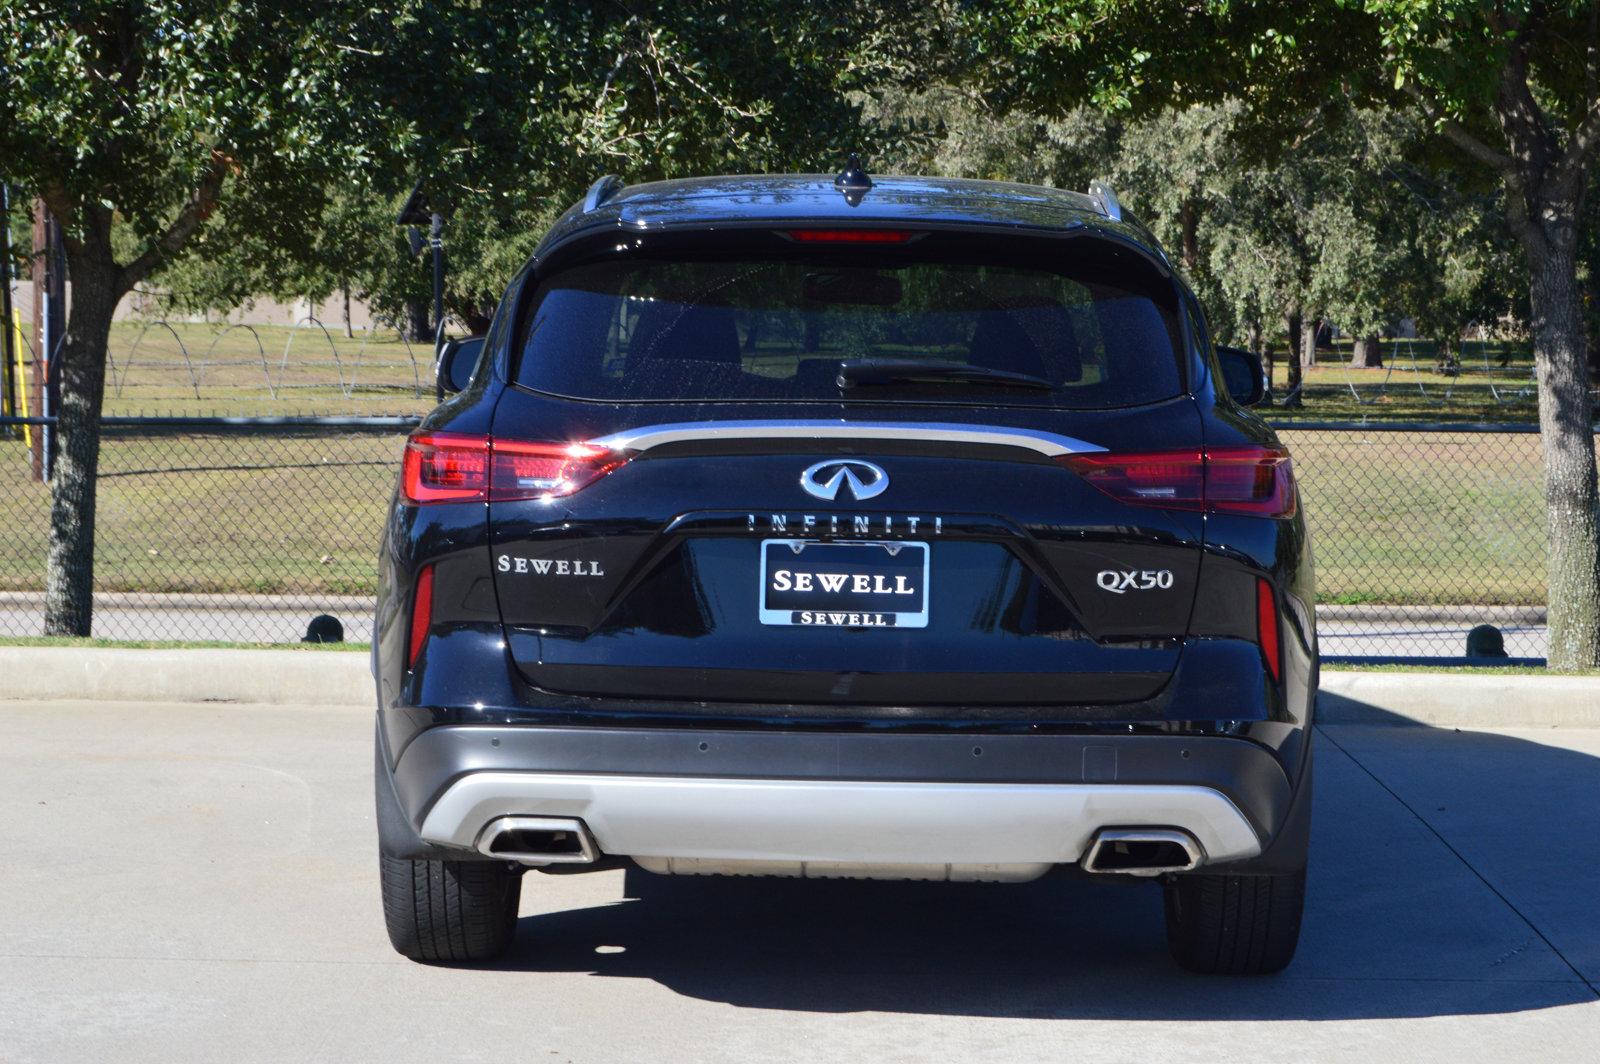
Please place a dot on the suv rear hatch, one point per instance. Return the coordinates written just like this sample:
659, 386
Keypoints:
800, 473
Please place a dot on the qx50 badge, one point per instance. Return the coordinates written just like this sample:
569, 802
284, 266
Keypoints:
1122, 581
825, 479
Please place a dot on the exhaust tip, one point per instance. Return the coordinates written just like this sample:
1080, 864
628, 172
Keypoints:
1141, 851
538, 840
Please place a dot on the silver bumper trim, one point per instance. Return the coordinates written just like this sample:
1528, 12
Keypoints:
844, 821
647, 436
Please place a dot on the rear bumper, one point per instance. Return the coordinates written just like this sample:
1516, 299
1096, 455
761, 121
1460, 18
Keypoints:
779, 797
845, 822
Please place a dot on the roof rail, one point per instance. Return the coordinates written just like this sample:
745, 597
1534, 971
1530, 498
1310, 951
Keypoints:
1110, 206
601, 191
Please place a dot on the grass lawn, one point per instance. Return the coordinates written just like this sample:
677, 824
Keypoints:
1409, 386
1442, 518
200, 368
1396, 518
197, 368
189, 512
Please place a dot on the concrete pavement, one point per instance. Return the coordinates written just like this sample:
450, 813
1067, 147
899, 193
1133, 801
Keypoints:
197, 882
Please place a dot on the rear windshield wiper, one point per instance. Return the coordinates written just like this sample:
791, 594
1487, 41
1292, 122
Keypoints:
854, 373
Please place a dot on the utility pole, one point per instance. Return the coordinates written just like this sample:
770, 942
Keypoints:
49, 328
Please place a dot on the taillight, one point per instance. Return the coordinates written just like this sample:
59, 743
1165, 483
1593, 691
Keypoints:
1240, 480
421, 613
1267, 629
446, 467
1174, 479
546, 470
1250, 480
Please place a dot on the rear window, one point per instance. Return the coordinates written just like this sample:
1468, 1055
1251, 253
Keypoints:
778, 329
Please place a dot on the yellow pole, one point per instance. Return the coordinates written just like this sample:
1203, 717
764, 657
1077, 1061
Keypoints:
15, 324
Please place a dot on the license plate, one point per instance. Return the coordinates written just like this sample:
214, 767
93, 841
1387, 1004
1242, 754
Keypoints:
844, 585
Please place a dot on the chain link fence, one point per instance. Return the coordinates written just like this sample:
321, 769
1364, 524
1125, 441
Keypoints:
214, 529
241, 530
1422, 532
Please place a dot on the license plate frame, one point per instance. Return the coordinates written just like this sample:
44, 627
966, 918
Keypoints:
902, 564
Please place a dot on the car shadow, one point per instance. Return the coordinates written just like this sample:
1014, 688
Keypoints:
1397, 925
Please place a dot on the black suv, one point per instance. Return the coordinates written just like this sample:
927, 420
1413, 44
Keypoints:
903, 528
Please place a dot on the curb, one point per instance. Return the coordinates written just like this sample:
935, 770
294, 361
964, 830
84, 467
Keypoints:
1472, 615
117, 674
331, 678
1442, 700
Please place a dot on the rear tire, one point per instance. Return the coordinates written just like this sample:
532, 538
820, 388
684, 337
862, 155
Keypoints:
449, 911
1234, 925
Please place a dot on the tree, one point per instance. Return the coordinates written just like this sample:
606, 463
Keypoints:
147, 116
528, 104
1512, 87
278, 130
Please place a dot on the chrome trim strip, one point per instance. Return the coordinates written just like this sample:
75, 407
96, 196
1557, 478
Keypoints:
645, 437
853, 821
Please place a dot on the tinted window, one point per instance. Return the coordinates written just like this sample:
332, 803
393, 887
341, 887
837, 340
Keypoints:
778, 328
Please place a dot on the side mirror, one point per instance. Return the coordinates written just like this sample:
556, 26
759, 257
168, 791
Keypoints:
457, 362
1242, 374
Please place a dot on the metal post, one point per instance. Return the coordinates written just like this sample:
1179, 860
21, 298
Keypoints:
55, 314
436, 242
7, 349
49, 324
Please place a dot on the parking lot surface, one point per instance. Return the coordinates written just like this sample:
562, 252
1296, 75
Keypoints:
198, 882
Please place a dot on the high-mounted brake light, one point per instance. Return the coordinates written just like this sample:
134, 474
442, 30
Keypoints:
451, 467
1267, 629
850, 236
1258, 481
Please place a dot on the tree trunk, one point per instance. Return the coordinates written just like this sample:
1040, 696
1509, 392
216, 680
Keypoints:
417, 330
1256, 342
69, 575
1189, 247
1291, 395
1308, 342
1566, 426
1368, 353
349, 330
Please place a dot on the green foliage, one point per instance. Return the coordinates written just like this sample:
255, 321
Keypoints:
146, 111
507, 113
1343, 224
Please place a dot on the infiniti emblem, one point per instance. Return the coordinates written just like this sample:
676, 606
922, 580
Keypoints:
825, 478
